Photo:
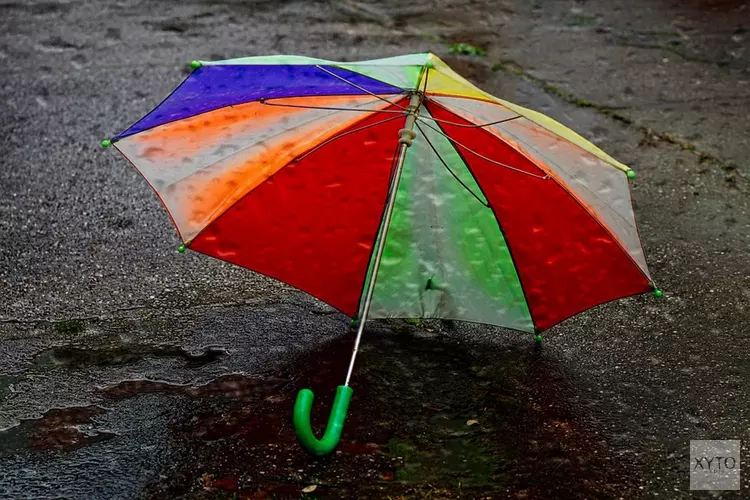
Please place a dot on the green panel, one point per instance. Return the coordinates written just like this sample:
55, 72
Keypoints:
399, 76
445, 256
401, 71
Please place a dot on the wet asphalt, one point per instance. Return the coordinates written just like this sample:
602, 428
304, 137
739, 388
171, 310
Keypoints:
94, 294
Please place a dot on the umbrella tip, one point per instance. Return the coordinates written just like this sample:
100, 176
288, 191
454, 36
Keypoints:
106, 143
429, 65
630, 174
181, 248
538, 338
195, 64
658, 293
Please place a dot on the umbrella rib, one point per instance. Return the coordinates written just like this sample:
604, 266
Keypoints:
482, 125
426, 77
266, 102
582, 185
321, 68
541, 153
254, 143
471, 125
331, 139
449, 169
505, 238
546, 176
549, 131
213, 214
219, 210
567, 189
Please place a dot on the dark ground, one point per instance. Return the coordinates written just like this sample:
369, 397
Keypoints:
128, 370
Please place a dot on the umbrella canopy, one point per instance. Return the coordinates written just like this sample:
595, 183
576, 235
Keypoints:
389, 188
283, 165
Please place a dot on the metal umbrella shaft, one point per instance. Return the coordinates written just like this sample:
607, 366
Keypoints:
304, 401
406, 135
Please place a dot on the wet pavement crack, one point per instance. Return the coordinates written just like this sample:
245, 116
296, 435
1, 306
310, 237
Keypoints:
732, 173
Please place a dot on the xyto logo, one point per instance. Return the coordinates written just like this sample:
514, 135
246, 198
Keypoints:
715, 464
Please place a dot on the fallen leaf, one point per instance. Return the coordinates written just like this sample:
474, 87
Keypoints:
309, 489
207, 480
472, 422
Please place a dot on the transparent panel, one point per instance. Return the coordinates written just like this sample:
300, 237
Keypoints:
445, 256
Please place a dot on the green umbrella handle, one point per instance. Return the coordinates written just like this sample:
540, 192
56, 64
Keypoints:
302, 428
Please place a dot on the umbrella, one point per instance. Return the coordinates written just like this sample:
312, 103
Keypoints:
389, 188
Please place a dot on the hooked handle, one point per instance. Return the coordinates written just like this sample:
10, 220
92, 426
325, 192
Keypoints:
303, 429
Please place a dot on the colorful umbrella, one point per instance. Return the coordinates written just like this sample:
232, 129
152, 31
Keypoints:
390, 188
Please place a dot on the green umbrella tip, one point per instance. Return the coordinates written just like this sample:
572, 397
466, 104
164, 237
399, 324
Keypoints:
630, 174
181, 248
429, 65
658, 293
538, 337
354, 323
195, 64
106, 143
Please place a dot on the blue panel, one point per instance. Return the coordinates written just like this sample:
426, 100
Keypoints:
212, 87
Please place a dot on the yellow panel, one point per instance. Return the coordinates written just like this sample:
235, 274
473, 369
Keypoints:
564, 132
443, 80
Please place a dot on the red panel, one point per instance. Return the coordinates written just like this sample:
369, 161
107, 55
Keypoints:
566, 260
313, 224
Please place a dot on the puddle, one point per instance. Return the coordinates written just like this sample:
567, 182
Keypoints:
77, 357
60, 429
66, 429
235, 387
429, 418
